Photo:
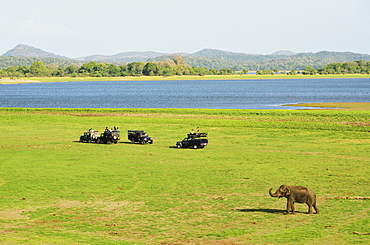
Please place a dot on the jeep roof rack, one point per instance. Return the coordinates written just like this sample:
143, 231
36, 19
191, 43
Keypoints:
135, 131
197, 135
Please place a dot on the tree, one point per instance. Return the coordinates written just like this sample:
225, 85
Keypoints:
39, 69
2, 74
265, 72
202, 71
309, 70
213, 71
87, 68
226, 71
150, 69
23, 69
69, 70
244, 71
113, 71
178, 59
13, 72
135, 68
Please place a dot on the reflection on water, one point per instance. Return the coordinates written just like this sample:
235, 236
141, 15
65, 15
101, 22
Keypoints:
222, 94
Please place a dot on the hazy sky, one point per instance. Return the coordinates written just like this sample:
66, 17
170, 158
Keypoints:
76, 28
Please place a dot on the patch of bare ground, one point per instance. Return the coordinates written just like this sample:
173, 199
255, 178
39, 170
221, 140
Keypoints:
352, 198
12, 214
144, 115
230, 241
12, 81
358, 124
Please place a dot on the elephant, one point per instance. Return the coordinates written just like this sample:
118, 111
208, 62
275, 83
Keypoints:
298, 194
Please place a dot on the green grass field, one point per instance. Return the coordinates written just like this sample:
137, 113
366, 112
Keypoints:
56, 190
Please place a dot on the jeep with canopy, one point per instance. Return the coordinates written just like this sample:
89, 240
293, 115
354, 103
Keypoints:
109, 137
89, 136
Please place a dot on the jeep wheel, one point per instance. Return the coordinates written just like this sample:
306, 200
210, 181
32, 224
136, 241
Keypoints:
97, 141
195, 146
179, 146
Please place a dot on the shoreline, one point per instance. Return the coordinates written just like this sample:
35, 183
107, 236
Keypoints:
337, 106
348, 106
178, 78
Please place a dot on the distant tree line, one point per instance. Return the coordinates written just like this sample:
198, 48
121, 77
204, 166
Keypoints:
168, 67
207, 58
352, 67
9, 61
276, 71
220, 59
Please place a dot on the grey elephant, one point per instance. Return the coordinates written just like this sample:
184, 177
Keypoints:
298, 194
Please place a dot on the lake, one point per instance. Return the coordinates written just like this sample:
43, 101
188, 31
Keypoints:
212, 94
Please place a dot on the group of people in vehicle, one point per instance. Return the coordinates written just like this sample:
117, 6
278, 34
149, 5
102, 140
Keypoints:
192, 132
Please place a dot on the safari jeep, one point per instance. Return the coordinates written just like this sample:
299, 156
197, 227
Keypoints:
139, 136
195, 141
89, 136
109, 137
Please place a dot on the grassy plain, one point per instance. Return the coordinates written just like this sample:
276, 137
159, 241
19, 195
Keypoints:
187, 77
55, 190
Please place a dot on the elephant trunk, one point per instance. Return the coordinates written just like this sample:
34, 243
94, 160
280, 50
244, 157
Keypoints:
273, 194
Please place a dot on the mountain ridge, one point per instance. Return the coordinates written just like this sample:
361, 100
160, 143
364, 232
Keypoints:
209, 58
123, 56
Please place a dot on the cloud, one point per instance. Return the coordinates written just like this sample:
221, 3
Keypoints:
34, 25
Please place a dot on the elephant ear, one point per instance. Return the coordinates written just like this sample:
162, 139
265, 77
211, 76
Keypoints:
287, 191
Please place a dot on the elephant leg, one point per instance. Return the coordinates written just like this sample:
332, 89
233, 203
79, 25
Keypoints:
316, 209
310, 209
293, 208
289, 207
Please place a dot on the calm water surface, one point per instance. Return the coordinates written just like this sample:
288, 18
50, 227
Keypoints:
220, 94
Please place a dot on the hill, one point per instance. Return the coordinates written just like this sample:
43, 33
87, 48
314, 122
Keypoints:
284, 52
208, 58
23, 50
219, 59
25, 55
125, 57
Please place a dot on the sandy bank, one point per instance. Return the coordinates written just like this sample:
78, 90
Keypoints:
12, 81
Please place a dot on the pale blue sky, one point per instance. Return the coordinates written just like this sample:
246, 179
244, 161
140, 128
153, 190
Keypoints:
76, 28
